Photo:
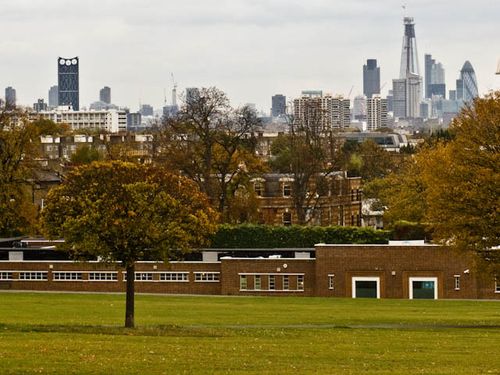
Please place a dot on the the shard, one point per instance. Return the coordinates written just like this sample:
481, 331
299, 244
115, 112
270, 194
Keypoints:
408, 88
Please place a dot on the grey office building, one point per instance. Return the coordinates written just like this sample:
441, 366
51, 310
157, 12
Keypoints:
467, 84
53, 96
68, 82
10, 97
371, 78
434, 78
146, 110
278, 106
105, 95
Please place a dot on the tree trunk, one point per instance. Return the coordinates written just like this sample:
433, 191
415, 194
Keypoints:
129, 300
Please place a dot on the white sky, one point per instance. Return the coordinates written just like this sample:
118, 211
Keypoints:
251, 49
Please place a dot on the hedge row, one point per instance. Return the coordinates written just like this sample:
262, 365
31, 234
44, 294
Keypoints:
266, 236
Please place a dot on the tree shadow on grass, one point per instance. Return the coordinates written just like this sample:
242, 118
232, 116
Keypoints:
159, 330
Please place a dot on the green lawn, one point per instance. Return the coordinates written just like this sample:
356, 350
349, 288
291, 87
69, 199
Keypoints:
82, 334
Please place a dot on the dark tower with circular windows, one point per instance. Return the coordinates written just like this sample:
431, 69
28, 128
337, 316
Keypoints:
68, 82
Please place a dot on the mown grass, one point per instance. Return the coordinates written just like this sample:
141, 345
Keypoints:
82, 334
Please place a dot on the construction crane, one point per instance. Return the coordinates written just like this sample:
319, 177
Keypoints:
350, 92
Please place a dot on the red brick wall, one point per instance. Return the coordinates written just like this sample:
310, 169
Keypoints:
232, 268
155, 286
395, 265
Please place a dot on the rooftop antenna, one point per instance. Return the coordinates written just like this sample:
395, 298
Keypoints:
174, 90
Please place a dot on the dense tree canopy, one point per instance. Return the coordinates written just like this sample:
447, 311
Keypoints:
453, 182
126, 212
19, 140
462, 180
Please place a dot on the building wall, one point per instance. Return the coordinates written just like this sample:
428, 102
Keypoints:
155, 286
395, 265
337, 203
330, 274
232, 269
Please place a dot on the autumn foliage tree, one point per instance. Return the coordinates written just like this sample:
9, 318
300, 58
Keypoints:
19, 140
462, 181
123, 212
452, 184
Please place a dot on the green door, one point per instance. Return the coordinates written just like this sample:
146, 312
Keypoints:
423, 289
366, 289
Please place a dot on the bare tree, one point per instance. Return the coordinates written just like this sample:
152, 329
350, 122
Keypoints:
211, 143
309, 153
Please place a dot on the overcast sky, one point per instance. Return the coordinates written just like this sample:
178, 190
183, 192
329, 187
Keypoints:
251, 49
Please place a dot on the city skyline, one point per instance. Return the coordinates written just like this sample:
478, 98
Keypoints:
251, 50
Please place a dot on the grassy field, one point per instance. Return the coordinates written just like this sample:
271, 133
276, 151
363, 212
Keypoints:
82, 334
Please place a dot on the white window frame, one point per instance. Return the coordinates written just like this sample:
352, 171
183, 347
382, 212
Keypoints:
114, 276
271, 281
286, 222
286, 282
497, 285
243, 282
257, 285
457, 282
258, 188
67, 276
365, 278
44, 275
287, 189
300, 282
416, 278
331, 281
6, 276
206, 277
256, 276
173, 277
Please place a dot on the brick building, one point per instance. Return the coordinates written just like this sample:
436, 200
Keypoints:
336, 202
378, 271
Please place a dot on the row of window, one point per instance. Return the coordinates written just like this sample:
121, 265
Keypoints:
110, 276
269, 282
286, 189
248, 282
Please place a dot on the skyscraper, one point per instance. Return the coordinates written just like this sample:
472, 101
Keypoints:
68, 82
53, 96
467, 84
10, 97
105, 95
371, 78
376, 112
408, 88
434, 78
40, 106
278, 105
323, 112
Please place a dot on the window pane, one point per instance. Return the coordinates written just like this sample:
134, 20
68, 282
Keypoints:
366, 289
